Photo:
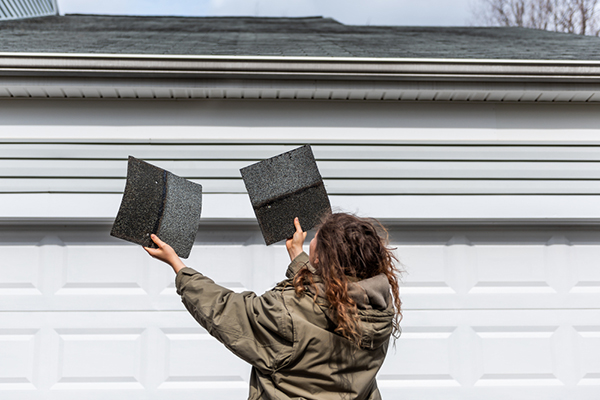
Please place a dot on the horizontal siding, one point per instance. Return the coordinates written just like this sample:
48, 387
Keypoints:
346, 168
334, 187
363, 169
324, 152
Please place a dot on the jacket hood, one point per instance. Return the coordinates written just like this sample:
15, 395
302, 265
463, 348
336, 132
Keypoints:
375, 309
370, 294
373, 300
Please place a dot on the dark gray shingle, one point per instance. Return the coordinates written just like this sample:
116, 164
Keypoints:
313, 36
157, 201
284, 187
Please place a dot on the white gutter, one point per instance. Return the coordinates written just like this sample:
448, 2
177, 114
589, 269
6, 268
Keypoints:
262, 67
296, 58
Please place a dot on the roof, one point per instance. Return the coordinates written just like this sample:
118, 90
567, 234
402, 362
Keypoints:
291, 58
300, 37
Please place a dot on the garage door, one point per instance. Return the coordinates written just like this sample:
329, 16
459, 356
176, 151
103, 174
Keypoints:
502, 312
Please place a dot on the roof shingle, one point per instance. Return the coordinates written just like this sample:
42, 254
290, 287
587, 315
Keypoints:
298, 37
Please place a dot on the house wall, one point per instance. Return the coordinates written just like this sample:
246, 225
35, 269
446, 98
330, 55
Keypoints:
387, 159
492, 207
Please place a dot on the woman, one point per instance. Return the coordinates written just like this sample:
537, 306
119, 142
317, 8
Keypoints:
322, 333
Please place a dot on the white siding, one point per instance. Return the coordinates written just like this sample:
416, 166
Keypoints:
362, 149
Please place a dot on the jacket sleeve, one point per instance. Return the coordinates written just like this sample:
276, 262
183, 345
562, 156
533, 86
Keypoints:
257, 329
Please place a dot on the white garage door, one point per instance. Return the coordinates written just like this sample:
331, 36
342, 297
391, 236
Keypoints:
490, 313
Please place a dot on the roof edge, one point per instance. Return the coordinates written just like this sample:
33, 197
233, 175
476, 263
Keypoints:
54, 74
195, 16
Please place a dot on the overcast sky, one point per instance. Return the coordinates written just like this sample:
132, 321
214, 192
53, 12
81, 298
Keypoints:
358, 12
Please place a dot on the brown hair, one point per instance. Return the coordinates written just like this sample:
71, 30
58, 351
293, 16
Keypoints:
349, 246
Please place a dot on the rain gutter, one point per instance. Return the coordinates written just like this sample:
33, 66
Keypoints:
67, 65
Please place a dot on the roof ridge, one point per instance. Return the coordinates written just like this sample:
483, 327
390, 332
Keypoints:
199, 16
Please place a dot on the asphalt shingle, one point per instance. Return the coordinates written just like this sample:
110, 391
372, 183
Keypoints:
284, 187
157, 201
308, 37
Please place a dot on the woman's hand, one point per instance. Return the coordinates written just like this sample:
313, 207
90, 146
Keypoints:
165, 253
294, 245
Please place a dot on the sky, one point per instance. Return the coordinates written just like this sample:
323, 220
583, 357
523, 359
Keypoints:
352, 12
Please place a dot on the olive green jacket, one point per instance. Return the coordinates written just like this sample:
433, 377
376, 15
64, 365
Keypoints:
290, 340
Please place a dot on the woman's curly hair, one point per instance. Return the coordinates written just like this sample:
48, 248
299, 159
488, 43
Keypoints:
349, 247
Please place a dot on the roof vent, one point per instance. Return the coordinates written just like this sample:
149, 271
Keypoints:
20, 9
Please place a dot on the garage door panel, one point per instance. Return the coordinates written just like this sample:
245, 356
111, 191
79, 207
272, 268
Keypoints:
161, 354
119, 354
489, 312
588, 350
506, 265
426, 270
190, 361
517, 356
432, 346
18, 350
269, 264
586, 269
528, 350
105, 270
100, 358
224, 264
21, 270
497, 393
477, 270
74, 269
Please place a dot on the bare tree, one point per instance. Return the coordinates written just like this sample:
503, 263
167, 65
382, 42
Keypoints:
572, 16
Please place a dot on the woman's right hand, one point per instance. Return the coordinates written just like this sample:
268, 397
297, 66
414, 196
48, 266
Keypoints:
165, 253
294, 244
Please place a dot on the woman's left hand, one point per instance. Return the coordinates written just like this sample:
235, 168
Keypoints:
295, 243
165, 253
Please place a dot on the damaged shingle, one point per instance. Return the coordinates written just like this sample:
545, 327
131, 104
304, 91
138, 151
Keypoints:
157, 201
284, 187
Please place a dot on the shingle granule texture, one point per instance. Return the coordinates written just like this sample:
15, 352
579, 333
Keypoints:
299, 37
157, 201
284, 187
